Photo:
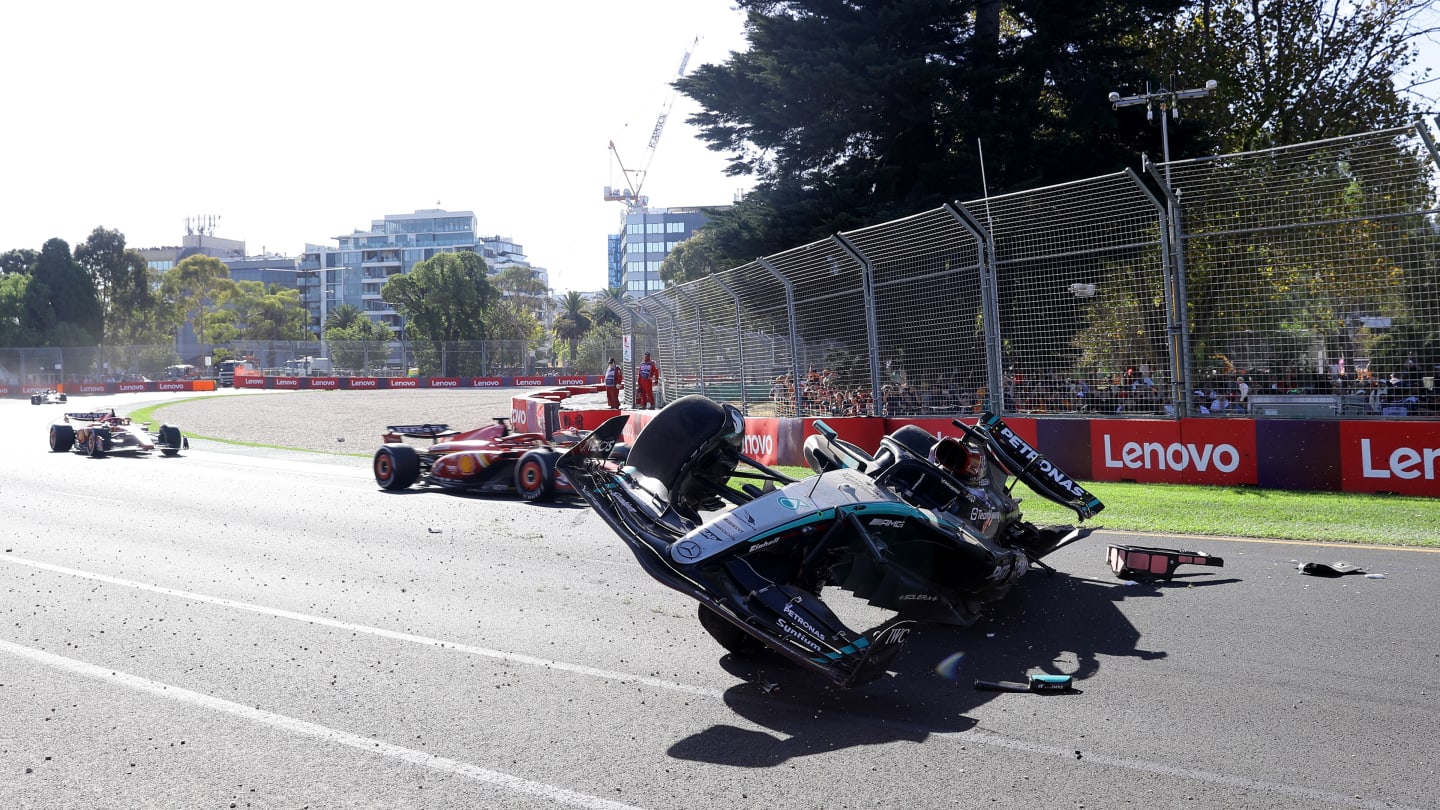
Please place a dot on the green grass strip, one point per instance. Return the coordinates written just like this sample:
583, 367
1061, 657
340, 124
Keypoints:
1338, 517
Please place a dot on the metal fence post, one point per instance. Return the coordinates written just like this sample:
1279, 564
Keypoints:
989, 305
872, 331
699, 332
739, 343
796, 378
1172, 260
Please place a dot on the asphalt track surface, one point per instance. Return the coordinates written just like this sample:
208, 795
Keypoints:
240, 627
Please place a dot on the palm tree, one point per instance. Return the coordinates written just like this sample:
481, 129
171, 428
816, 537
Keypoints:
572, 323
343, 317
602, 309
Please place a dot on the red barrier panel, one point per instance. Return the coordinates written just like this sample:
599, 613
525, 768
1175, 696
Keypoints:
284, 383
87, 388
572, 381
249, 381
362, 383
442, 382
323, 383
1161, 451
528, 381
487, 382
402, 382
1390, 457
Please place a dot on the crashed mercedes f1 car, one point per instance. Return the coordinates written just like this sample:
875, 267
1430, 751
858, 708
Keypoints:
925, 527
101, 433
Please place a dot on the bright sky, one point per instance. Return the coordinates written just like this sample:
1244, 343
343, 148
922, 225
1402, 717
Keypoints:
299, 121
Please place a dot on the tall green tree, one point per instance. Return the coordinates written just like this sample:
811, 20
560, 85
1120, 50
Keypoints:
60, 301
269, 312
572, 322
356, 342
15, 329
195, 290
124, 284
18, 260
1294, 71
444, 300
850, 113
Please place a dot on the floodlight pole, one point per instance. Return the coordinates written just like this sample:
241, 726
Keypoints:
1168, 101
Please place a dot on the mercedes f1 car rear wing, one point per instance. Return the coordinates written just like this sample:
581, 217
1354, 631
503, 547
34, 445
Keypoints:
1027, 464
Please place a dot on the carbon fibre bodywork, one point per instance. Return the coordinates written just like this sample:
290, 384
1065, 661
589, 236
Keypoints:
893, 529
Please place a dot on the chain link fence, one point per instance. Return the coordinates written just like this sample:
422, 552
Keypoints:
1299, 281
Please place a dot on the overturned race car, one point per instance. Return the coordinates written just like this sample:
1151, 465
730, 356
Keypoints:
488, 460
101, 433
925, 528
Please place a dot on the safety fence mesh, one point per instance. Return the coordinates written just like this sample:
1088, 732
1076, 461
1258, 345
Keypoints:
1298, 281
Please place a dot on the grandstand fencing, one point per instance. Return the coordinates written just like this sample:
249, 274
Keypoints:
1297, 281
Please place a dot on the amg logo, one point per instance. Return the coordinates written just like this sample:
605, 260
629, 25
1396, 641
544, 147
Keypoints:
893, 524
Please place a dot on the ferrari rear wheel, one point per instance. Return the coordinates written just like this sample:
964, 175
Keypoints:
95, 445
396, 466
732, 638
535, 475
62, 438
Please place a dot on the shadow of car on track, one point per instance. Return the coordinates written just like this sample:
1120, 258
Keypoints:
1052, 618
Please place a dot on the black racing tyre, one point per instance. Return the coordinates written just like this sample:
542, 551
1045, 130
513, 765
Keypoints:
396, 466
170, 437
62, 438
732, 638
535, 475
64, 398
34, 399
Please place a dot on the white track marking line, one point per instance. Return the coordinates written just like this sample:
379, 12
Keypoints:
324, 734
975, 736
996, 740
577, 669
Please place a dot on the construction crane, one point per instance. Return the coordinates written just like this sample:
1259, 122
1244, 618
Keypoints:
635, 179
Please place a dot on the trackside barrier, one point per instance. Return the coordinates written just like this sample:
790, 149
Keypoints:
303, 383
84, 388
541, 411
1337, 456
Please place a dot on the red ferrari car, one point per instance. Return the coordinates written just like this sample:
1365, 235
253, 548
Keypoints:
490, 459
101, 433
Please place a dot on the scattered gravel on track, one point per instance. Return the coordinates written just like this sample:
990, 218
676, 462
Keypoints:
340, 422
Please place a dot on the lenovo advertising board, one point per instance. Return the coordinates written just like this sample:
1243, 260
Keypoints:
1403, 457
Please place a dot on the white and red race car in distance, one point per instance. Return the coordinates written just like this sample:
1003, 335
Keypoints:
99, 433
